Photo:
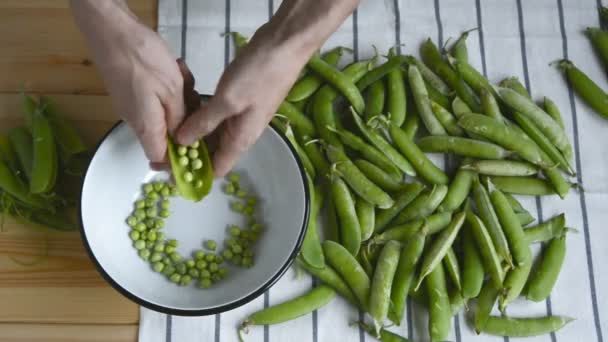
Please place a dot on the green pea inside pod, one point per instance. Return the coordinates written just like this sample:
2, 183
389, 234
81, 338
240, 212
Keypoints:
194, 178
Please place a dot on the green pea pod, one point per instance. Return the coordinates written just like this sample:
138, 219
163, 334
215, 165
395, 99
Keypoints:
523, 185
44, 161
396, 102
524, 218
366, 215
7, 153
204, 174
10, 183
488, 215
69, 141
515, 205
463, 147
404, 276
349, 269
603, 14
332, 226
329, 277
458, 190
369, 152
430, 78
432, 58
539, 117
450, 262
588, 90
307, 85
423, 205
404, 198
440, 247
514, 283
423, 103
547, 230
315, 155
384, 146
422, 164
300, 122
545, 275
375, 98
524, 327
382, 283
459, 49
472, 266
404, 232
293, 308
501, 167
341, 82
412, 123
306, 162
21, 140
485, 303
364, 259
440, 311
446, 119
515, 84
599, 40
472, 77
350, 232
385, 335
323, 102
490, 258
311, 250
457, 302
552, 109
489, 105
378, 176
357, 180
380, 71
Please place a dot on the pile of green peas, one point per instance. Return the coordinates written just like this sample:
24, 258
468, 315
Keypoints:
189, 159
207, 266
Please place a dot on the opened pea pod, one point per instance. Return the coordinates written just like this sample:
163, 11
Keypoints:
192, 169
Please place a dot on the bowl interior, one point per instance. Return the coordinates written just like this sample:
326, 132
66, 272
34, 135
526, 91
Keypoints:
113, 182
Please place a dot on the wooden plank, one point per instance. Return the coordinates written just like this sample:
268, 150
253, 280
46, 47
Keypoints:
67, 333
43, 51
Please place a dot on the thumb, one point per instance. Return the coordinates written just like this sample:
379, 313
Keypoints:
151, 129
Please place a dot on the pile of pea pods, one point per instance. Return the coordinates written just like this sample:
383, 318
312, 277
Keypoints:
42, 164
592, 94
398, 226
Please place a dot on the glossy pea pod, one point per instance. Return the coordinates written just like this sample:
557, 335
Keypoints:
547, 230
323, 102
440, 247
529, 186
198, 184
340, 81
409, 193
396, 104
404, 276
21, 141
545, 275
423, 103
465, 147
552, 130
357, 180
432, 58
491, 260
349, 269
307, 85
382, 283
329, 277
524, 327
350, 230
447, 120
501, 167
367, 216
384, 146
291, 309
369, 152
404, 232
44, 154
440, 310
378, 176
584, 87
423, 205
311, 250
488, 215
422, 164
458, 189
472, 266
375, 98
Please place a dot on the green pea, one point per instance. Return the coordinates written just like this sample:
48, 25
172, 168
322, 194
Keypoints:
183, 161
149, 222
167, 260
245, 235
175, 278
159, 247
131, 221
257, 227
205, 274
193, 153
165, 192
241, 193
134, 235
216, 277
169, 249
237, 260
219, 259
140, 214
194, 273
252, 200
197, 164
195, 144
160, 236
140, 226
188, 176
152, 235
158, 186
211, 245
222, 271
244, 243
201, 264
237, 249
168, 270
174, 192
204, 283
159, 223
175, 257
249, 210
237, 206
190, 263
210, 257
247, 262
229, 189
149, 203
181, 268
164, 213
156, 257
234, 230
198, 183
248, 253
227, 254
144, 254
143, 235
148, 188
158, 267
182, 150
199, 255
151, 212
185, 281
234, 177
172, 243
213, 267
140, 204
149, 244
153, 195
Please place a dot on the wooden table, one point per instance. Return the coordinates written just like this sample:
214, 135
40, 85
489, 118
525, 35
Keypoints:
61, 298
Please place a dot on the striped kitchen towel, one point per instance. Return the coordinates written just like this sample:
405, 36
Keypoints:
514, 37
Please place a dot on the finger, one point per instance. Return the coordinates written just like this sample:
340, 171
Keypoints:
204, 121
151, 130
160, 166
237, 136
175, 111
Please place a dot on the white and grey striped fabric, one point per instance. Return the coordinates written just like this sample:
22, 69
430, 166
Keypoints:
515, 37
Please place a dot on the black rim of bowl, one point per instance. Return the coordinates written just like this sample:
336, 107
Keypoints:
218, 309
